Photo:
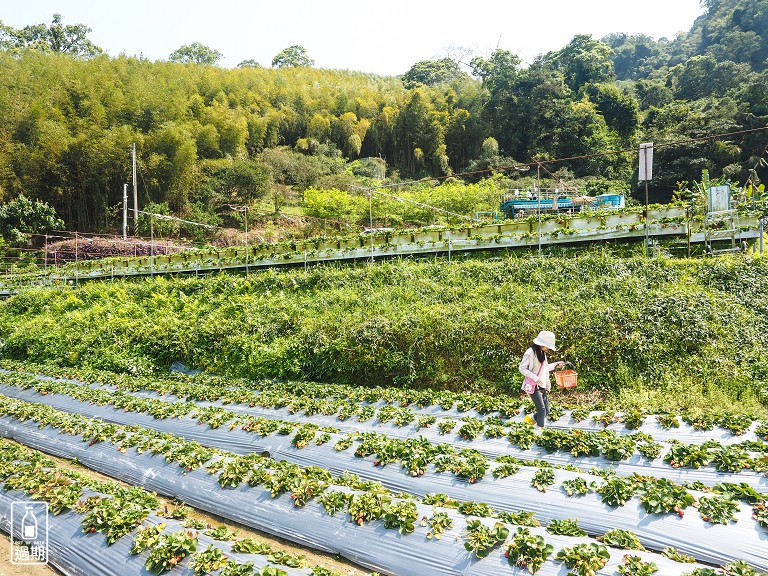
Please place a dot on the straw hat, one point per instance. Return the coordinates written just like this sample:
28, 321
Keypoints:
546, 339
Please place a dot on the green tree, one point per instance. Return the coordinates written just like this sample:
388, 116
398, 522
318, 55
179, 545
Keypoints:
250, 63
70, 39
293, 57
433, 73
196, 53
584, 60
620, 110
21, 217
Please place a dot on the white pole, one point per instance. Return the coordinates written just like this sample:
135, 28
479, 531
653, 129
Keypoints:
538, 199
245, 209
151, 245
125, 211
135, 193
370, 216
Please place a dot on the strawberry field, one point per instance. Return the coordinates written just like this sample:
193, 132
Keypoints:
396, 481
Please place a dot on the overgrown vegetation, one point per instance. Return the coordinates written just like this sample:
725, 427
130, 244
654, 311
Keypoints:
664, 334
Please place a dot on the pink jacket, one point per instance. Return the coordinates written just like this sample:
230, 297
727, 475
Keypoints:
529, 366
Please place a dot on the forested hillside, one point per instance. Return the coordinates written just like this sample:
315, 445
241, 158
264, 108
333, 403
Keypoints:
208, 136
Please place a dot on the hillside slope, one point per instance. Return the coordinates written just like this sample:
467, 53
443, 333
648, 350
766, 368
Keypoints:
679, 332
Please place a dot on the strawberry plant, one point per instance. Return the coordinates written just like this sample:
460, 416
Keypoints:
505, 470
169, 550
286, 559
718, 509
251, 546
700, 421
660, 496
221, 533
703, 572
736, 423
344, 442
616, 491
566, 527
438, 523
739, 568
470, 508
146, 537
471, 428
542, 478
616, 447
521, 435
469, 465
635, 566
527, 551
762, 430
425, 421
647, 447
494, 431
579, 414
625, 539
208, 561
176, 512
741, 491
668, 421
687, 455
334, 501
551, 439
439, 499
446, 426
481, 539
606, 419
634, 418
673, 554
581, 443
576, 486
760, 514
304, 435
115, 516
584, 559
731, 459
401, 515
519, 518
556, 411
366, 507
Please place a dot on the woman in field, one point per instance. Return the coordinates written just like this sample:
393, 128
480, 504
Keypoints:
535, 367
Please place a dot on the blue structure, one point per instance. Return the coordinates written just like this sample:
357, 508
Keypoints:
512, 203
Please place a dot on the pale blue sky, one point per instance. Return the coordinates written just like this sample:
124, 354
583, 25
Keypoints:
384, 38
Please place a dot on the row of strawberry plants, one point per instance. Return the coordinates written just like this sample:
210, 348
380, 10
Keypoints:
464, 463
606, 443
376, 504
116, 512
312, 398
251, 468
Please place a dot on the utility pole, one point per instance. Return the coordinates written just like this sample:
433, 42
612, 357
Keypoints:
135, 193
125, 211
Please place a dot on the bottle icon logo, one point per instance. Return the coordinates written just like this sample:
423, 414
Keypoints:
29, 532
29, 525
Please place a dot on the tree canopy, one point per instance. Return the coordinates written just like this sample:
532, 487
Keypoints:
293, 57
208, 136
196, 53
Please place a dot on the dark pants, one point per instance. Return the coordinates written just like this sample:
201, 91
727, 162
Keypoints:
541, 402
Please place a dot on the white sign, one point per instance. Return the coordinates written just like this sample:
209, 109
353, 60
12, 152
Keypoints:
646, 162
30, 521
719, 198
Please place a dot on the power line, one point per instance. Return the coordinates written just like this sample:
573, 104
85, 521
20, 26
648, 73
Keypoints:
527, 166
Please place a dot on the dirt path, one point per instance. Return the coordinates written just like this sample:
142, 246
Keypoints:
8, 569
